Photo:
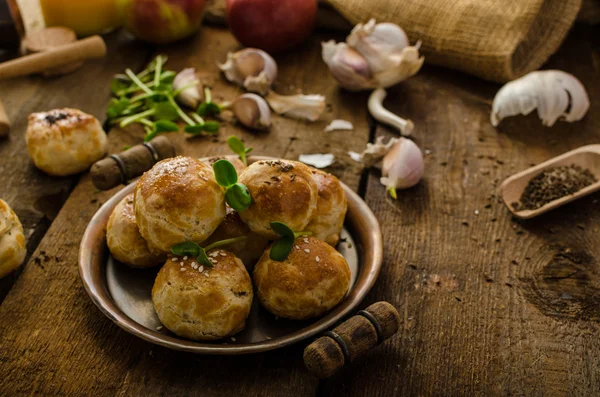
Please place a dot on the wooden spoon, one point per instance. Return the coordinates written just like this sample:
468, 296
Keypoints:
587, 157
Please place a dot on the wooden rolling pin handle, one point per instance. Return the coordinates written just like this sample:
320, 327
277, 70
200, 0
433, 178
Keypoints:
4, 122
118, 169
351, 339
91, 47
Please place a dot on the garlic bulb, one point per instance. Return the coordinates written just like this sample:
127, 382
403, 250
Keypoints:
190, 94
553, 93
251, 68
403, 166
374, 55
252, 111
304, 107
380, 113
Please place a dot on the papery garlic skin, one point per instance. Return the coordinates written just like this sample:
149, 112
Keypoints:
191, 96
378, 43
303, 107
252, 111
374, 151
317, 160
348, 67
251, 68
403, 166
339, 125
553, 93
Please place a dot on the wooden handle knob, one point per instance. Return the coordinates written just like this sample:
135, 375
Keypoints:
351, 339
91, 47
116, 169
4, 122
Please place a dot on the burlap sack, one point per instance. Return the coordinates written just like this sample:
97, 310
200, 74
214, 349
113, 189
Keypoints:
497, 40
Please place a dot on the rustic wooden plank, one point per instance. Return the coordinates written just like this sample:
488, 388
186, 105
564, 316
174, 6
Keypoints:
490, 306
54, 341
35, 196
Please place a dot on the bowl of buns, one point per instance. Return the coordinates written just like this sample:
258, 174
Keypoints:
192, 259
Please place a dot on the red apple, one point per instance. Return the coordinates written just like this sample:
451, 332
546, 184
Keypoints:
161, 21
271, 25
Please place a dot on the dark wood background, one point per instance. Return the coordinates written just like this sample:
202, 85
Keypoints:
490, 306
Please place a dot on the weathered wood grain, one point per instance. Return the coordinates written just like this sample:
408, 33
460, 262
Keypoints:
491, 306
55, 341
36, 197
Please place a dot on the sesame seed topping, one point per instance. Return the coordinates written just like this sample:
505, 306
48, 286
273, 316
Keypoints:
317, 259
269, 338
213, 254
201, 269
233, 339
194, 265
212, 260
307, 250
295, 246
181, 263
205, 274
223, 254
185, 258
174, 259
306, 240
159, 327
182, 269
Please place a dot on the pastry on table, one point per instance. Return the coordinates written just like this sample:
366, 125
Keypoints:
12, 240
313, 279
282, 191
178, 200
124, 240
233, 159
332, 205
250, 250
64, 141
202, 303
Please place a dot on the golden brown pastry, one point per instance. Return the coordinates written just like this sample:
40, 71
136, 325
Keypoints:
250, 250
64, 141
328, 221
202, 303
12, 240
124, 240
309, 282
282, 191
233, 159
178, 200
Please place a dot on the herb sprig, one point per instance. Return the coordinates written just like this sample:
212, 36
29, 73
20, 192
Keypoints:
282, 247
237, 146
190, 248
237, 194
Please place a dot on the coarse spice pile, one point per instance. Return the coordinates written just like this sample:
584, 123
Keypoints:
552, 184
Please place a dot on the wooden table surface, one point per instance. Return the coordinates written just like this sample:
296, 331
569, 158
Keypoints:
490, 306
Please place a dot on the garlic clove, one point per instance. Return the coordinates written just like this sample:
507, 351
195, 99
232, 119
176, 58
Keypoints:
192, 95
252, 111
339, 125
348, 67
251, 68
379, 113
373, 152
405, 64
317, 160
303, 107
403, 166
378, 43
553, 93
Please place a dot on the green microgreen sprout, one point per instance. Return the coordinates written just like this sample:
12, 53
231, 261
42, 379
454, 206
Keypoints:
237, 194
190, 248
210, 108
237, 146
282, 247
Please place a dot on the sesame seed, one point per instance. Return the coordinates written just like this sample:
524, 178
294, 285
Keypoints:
233, 339
159, 327
295, 246
269, 338
185, 258
317, 259
476, 212
213, 254
306, 240
194, 266
194, 263
223, 254
201, 269
181, 263
174, 259
182, 269
307, 250
205, 274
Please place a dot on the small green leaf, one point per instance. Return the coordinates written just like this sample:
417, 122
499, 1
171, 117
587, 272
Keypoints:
208, 109
211, 127
237, 146
203, 258
165, 111
161, 126
238, 197
281, 249
187, 248
117, 107
282, 229
118, 84
194, 129
225, 173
